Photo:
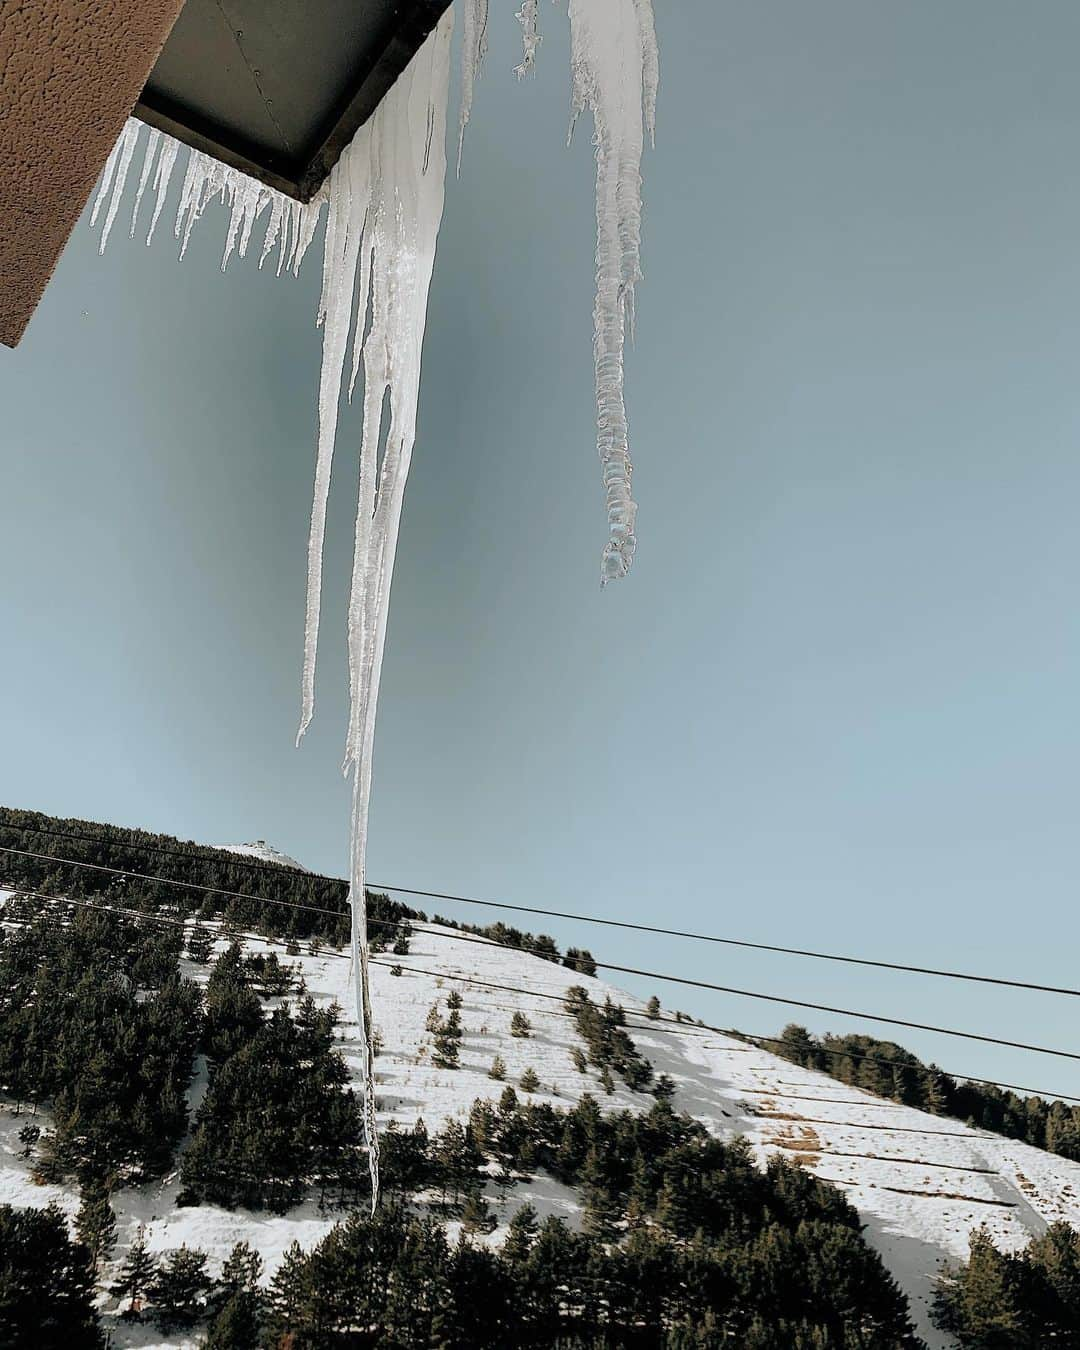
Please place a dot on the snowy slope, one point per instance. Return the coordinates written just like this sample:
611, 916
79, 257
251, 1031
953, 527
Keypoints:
921, 1182
263, 852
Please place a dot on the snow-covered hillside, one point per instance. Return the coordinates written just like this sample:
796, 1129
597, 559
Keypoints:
263, 852
921, 1182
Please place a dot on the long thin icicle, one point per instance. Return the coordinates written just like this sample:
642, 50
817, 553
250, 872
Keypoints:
162, 175
148, 161
474, 44
129, 138
614, 65
392, 179
107, 177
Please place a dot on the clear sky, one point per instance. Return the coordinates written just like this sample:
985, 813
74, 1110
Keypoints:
834, 705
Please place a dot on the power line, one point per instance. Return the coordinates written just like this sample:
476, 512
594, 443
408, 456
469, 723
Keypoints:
895, 1063
232, 859
533, 949
633, 970
437, 972
685, 1027
276, 869
175, 881
630, 970
738, 942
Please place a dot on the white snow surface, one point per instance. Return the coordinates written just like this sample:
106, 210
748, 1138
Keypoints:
263, 852
920, 1182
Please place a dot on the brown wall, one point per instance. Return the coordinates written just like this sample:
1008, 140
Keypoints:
70, 73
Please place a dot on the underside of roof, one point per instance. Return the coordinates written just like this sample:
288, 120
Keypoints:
277, 88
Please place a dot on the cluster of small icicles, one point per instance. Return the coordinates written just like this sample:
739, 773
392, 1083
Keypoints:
384, 201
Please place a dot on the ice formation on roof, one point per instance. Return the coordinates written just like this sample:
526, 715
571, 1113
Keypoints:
384, 202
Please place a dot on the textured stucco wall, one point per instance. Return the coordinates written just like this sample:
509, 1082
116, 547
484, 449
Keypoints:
70, 72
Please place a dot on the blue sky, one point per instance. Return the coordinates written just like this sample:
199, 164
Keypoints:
835, 703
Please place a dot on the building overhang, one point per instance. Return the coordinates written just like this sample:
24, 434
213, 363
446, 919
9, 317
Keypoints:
278, 88
275, 88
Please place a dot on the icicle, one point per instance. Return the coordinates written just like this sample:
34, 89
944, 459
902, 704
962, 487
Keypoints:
305, 218
390, 182
162, 174
343, 234
473, 50
247, 201
529, 18
148, 160
129, 138
650, 64
614, 65
189, 195
273, 228
106, 178
385, 200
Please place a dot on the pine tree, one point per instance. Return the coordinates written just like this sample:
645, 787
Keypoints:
433, 1023
291, 1292
498, 1069
237, 1324
602, 1210
28, 1136
180, 1288
445, 1054
979, 1303
652, 1008
529, 1081
46, 1288
871, 1077
476, 1215
457, 1159
934, 1098
454, 1001
577, 1056
521, 1234
200, 943
670, 1211
581, 960
639, 1198
520, 1025
136, 1276
242, 1269
95, 1225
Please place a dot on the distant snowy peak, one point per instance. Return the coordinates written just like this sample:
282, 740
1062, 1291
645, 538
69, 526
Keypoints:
264, 852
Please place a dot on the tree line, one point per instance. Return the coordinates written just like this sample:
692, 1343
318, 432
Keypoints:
96, 1020
278, 1117
684, 1243
267, 894
854, 1059
1027, 1300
